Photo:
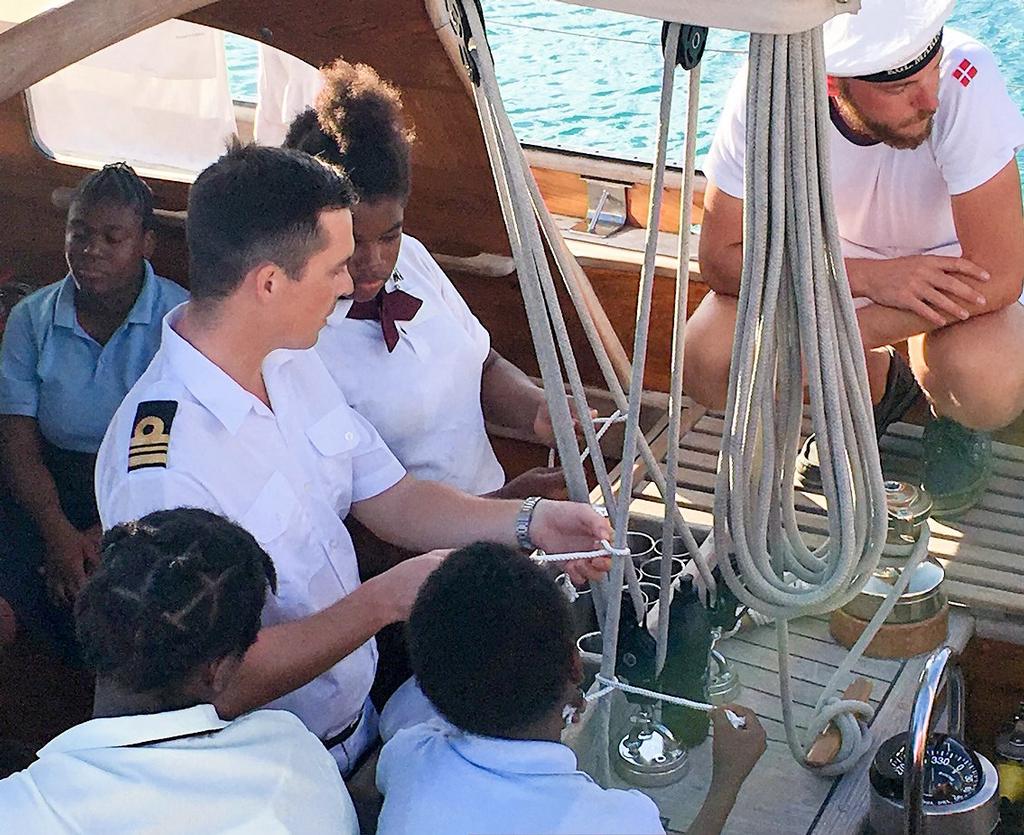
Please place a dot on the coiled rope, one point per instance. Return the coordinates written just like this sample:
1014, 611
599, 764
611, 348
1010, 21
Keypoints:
796, 316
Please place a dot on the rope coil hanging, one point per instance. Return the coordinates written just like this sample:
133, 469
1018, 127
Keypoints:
796, 315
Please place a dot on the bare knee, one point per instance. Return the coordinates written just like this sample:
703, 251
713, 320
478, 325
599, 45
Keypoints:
708, 351
966, 379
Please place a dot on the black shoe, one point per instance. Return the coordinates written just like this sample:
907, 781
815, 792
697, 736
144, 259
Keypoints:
901, 390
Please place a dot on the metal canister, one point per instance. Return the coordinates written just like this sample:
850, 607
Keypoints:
922, 599
908, 508
1010, 760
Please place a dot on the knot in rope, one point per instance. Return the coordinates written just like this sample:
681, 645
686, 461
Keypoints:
850, 717
615, 417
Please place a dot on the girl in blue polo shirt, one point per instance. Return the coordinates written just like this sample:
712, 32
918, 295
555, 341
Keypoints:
70, 353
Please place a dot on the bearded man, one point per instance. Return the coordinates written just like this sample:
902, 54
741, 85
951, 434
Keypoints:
928, 201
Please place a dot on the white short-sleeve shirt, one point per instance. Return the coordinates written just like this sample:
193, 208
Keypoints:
892, 203
423, 397
288, 476
437, 780
263, 772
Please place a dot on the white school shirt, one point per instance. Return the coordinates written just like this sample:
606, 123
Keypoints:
892, 203
437, 780
423, 397
263, 772
288, 476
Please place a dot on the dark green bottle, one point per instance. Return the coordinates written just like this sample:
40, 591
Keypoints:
686, 665
636, 652
725, 612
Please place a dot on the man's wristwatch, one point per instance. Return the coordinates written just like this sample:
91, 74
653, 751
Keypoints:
523, 519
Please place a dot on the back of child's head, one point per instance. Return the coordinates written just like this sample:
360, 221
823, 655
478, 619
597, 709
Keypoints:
491, 641
116, 184
175, 590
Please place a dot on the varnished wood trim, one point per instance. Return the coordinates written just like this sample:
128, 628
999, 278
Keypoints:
437, 11
589, 165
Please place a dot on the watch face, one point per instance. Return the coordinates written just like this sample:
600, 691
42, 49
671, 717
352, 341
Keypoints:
952, 772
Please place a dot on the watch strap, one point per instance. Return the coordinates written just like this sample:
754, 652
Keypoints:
523, 520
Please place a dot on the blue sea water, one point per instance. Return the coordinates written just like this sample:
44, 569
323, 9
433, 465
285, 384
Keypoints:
584, 79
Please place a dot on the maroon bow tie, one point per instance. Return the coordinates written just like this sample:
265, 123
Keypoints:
387, 308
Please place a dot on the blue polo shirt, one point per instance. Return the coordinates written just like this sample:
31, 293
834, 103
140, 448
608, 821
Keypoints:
438, 780
53, 371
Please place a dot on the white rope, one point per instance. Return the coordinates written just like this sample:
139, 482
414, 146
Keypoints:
795, 303
645, 293
568, 267
509, 179
795, 314
606, 550
544, 315
614, 417
524, 241
612, 683
675, 394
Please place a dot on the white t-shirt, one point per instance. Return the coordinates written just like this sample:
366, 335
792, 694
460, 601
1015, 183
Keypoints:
288, 477
437, 780
263, 772
892, 203
423, 397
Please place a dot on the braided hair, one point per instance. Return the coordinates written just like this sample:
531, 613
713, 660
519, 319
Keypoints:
358, 124
116, 183
175, 590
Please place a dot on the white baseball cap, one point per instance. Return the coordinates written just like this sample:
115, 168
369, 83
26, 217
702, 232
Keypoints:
887, 40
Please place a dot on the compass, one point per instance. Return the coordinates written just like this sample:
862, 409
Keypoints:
952, 772
959, 787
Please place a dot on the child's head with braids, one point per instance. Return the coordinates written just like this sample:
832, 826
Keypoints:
358, 124
109, 232
173, 607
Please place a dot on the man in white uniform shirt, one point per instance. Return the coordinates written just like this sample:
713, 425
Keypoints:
235, 415
927, 195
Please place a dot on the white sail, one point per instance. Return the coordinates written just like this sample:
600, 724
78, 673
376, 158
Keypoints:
774, 17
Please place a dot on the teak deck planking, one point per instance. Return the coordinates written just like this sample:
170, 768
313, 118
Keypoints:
981, 552
780, 796
982, 556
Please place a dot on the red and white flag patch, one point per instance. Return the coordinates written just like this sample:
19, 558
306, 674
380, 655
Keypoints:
964, 72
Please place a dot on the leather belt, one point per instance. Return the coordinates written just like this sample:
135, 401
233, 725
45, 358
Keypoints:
345, 733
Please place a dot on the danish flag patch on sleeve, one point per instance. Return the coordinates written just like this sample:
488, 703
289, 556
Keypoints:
964, 72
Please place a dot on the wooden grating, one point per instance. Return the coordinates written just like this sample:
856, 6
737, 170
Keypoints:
780, 796
981, 552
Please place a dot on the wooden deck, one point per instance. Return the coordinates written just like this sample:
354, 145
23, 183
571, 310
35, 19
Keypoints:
983, 552
780, 796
